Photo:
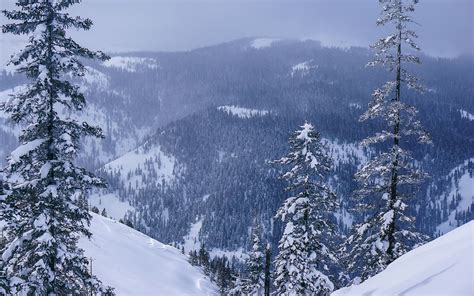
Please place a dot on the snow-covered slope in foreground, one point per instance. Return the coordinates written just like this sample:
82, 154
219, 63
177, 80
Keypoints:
443, 266
135, 264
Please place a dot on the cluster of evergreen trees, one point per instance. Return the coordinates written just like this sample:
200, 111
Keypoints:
307, 262
222, 271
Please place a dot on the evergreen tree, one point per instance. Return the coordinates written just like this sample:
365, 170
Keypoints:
237, 288
203, 257
304, 255
43, 218
193, 258
254, 284
389, 231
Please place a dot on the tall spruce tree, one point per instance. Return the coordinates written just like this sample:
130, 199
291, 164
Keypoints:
304, 255
254, 284
43, 219
389, 232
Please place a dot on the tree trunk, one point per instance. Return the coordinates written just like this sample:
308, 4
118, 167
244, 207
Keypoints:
268, 255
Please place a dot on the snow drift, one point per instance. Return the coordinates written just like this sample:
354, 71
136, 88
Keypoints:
135, 264
443, 266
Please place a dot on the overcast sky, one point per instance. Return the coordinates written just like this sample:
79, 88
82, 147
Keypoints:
128, 25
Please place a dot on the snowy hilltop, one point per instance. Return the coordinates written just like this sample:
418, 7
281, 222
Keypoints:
443, 266
135, 264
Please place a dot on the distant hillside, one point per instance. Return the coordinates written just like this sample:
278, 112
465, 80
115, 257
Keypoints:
189, 134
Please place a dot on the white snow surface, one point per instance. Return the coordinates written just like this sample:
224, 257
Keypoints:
131, 64
465, 188
302, 68
96, 78
239, 254
344, 153
110, 201
260, 43
137, 265
466, 115
193, 243
140, 167
191, 240
242, 112
443, 266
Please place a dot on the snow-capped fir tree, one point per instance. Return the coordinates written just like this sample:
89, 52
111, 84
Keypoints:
43, 219
254, 283
238, 287
388, 232
304, 255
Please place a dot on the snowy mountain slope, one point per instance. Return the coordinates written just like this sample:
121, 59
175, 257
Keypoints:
131, 64
110, 201
459, 193
224, 155
144, 166
135, 264
443, 266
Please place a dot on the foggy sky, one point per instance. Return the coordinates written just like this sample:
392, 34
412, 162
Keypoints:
167, 25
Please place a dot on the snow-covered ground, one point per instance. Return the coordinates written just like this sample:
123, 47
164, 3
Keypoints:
260, 43
142, 166
345, 153
443, 266
238, 254
114, 208
191, 240
135, 264
130, 64
302, 68
94, 77
464, 188
242, 112
466, 115
355, 106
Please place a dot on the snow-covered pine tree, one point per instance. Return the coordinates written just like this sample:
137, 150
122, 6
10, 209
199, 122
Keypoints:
254, 283
389, 231
304, 255
238, 287
43, 219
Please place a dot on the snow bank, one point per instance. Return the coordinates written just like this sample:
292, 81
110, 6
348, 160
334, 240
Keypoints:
242, 112
443, 266
135, 264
